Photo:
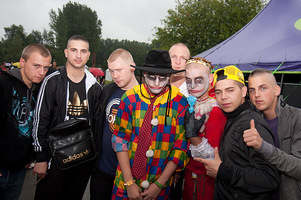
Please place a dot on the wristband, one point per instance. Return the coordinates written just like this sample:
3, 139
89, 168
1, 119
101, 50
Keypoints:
159, 185
129, 183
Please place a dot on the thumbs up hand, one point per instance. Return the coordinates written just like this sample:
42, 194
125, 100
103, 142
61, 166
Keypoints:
252, 124
252, 137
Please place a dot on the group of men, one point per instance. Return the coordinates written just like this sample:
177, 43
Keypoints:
148, 135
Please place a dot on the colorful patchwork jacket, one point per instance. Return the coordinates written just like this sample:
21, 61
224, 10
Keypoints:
168, 137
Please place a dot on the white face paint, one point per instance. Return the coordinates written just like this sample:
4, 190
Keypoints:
197, 79
156, 83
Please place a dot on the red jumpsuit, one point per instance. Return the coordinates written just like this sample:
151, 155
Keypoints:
201, 186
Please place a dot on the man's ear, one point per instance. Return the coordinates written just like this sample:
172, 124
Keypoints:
244, 91
22, 62
210, 79
277, 90
132, 68
65, 51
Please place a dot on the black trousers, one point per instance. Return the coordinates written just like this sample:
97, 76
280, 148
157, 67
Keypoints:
64, 184
177, 189
101, 185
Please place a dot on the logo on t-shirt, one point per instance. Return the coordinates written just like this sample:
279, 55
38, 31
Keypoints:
77, 108
22, 113
111, 112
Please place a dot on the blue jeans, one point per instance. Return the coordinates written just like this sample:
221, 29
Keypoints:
11, 183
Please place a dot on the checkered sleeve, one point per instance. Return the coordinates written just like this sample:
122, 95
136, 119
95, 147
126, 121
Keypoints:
123, 126
119, 144
179, 153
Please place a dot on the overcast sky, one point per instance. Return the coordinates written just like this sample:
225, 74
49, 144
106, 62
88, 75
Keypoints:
121, 19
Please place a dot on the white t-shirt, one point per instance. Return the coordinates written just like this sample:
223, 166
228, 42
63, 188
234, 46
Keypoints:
184, 90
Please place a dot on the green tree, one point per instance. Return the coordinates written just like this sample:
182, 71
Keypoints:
48, 38
34, 37
15, 31
15, 40
201, 24
74, 19
13, 43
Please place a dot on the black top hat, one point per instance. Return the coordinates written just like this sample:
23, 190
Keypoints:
158, 62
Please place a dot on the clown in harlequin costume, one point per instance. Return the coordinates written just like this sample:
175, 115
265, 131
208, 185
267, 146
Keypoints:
149, 137
204, 125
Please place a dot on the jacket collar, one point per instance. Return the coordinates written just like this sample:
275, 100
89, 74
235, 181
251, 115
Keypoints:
16, 73
90, 80
280, 106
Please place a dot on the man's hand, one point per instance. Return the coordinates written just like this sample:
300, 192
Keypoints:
211, 165
40, 169
192, 125
151, 192
134, 192
252, 137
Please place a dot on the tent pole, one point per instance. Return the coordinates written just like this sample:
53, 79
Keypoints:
281, 83
277, 68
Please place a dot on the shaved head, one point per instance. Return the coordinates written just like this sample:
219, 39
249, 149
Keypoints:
182, 46
263, 72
